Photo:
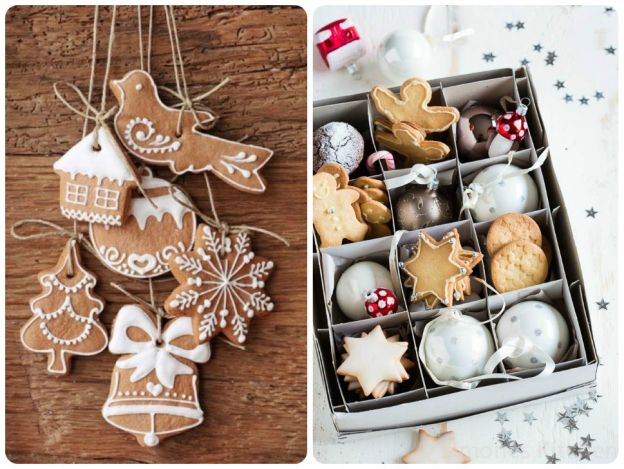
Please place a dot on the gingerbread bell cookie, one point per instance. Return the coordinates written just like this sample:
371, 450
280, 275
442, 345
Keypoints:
156, 229
154, 388
222, 285
408, 119
149, 130
65, 315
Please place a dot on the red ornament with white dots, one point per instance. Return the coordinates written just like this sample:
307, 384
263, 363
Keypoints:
511, 127
381, 302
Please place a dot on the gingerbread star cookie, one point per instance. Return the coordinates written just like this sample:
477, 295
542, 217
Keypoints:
221, 285
436, 450
373, 359
439, 271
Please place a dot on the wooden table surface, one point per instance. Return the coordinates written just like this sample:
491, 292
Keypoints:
255, 400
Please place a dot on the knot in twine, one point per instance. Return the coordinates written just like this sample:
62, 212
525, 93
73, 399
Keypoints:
418, 174
99, 117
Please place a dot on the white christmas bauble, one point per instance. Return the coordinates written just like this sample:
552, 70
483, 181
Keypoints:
542, 324
455, 347
356, 282
514, 194
403, 54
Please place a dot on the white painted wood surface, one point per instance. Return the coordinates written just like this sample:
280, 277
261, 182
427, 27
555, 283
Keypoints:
583, 142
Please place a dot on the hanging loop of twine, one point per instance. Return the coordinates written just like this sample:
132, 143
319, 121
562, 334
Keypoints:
181, 93
214, 221
56, 230
160, 312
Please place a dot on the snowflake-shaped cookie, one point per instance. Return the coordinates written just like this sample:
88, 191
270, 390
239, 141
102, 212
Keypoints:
221, 285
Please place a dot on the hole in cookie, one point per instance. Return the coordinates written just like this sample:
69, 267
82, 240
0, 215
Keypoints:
97, 147
178, 134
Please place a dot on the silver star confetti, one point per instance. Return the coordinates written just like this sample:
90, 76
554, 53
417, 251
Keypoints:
529, 418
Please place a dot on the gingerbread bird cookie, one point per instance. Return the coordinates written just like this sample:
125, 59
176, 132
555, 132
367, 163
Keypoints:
148, 130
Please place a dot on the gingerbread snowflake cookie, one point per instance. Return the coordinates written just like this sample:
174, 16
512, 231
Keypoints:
65, 316
222, 285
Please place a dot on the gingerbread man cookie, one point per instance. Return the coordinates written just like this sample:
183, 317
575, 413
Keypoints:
333, 215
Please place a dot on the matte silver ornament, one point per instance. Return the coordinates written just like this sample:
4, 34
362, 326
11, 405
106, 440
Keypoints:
419, 207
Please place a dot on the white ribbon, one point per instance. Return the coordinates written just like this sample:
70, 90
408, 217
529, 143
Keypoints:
515, 347
150, 355
474, 191
419, 174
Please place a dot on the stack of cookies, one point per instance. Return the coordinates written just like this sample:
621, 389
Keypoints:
374, 364
439, 270
364, 200
517, 251
408, 119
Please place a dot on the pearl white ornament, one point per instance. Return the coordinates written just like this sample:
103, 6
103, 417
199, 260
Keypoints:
542, 324
455, 347
515, 194
403, 54
355, 282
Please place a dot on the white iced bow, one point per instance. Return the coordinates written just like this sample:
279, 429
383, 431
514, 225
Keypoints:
157, 353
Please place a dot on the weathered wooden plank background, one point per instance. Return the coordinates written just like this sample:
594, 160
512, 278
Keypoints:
254, 401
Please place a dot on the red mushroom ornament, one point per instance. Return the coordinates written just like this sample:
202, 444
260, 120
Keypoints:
381, 302
511, 127
340, 45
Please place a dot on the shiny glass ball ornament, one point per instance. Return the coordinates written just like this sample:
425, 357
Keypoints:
404, 54
356, 283
419, 207
514, 194
455, 347
542, 324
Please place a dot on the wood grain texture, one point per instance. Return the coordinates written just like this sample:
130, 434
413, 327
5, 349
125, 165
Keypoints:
255, 400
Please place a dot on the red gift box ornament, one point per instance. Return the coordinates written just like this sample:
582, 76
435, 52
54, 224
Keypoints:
381, 302
340, 45
511, 127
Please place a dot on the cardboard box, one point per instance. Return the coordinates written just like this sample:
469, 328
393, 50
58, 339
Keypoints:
420, 401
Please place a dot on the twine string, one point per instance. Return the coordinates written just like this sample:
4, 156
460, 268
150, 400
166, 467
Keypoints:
140, 28
96, 16
149, 39
186, 102
153, 308
215, 221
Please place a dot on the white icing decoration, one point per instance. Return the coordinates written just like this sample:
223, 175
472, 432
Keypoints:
223, 286
231, 163
148, 356
141, 263
109, 162
91, 217
76, 193
106, 198
137, 139
115, 406
154, 389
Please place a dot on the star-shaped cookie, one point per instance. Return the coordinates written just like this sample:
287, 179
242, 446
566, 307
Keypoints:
439, 271
372, 359
436, 450
385, 387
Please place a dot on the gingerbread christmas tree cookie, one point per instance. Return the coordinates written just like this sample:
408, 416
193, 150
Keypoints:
65, 316
222, 285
